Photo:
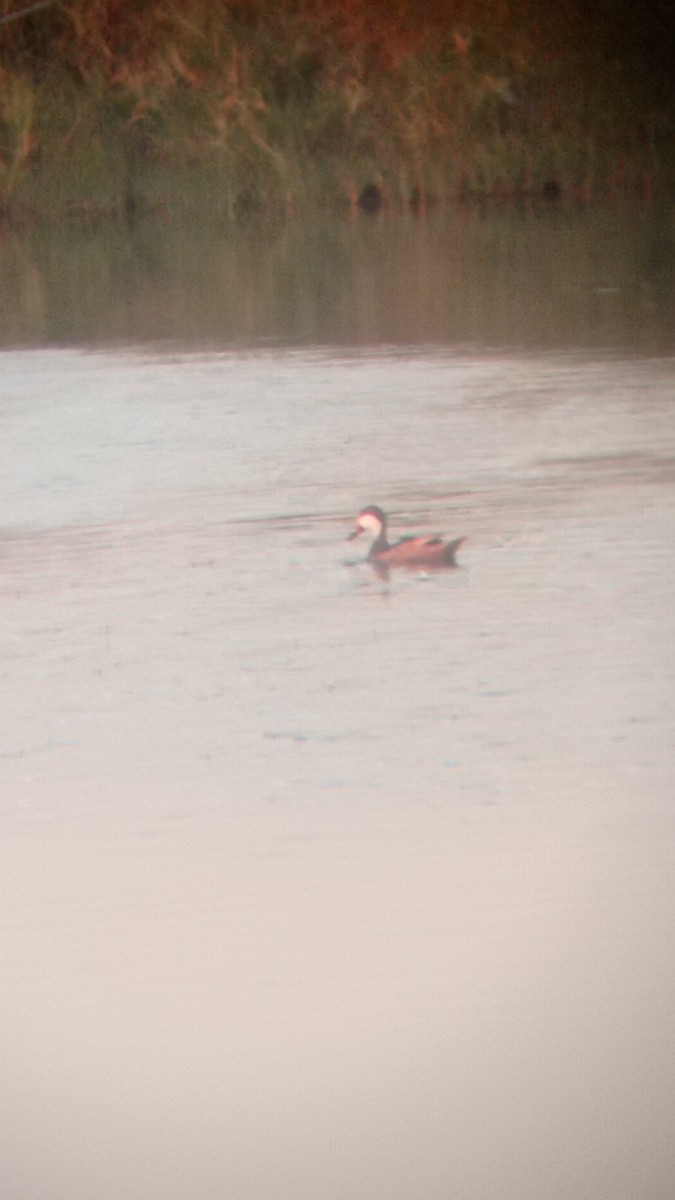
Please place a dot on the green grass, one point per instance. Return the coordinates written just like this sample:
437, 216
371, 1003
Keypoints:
113, 107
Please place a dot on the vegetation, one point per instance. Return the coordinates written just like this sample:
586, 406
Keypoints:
121, 106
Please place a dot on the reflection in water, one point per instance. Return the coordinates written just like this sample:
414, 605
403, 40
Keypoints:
547, 278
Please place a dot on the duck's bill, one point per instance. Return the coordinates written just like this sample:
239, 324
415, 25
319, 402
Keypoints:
355, 533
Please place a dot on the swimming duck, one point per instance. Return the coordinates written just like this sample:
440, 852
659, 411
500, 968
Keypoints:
412, 553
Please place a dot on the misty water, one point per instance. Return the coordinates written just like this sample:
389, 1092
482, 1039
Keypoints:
314, 884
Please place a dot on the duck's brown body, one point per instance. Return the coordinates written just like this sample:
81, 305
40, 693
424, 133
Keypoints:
411, 553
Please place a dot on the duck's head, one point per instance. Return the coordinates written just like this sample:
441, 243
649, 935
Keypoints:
370, 520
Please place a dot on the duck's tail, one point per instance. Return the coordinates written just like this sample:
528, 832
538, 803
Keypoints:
451, 549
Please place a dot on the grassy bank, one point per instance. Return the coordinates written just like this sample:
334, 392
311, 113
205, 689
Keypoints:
113, 107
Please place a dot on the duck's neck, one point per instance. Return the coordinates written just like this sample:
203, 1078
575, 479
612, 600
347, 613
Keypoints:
380, 544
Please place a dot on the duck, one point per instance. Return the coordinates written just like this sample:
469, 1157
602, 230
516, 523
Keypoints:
410, 553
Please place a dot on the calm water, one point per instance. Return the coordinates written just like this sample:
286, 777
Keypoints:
552, 278
315, 886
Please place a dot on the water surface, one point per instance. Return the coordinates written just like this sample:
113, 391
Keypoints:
315, 886
539, 277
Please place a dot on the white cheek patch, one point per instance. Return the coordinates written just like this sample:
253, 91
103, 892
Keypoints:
368, 523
